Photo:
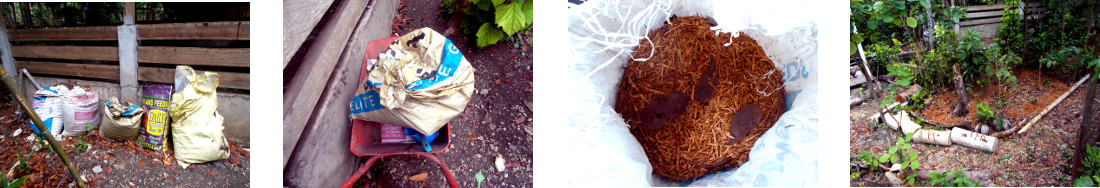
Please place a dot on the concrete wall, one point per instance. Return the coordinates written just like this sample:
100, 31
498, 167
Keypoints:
234, 107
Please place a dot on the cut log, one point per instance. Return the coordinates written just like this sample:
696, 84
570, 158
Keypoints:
961, 108
901, 120
903, 96
974, 140
1052, 105
932, 137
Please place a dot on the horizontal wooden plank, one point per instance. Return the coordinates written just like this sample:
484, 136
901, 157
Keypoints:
231, 30
110, 72
981, 21
985, 7
298, 24
195, 30
103, 53
986, 14
166, 75
65, 33
229, 57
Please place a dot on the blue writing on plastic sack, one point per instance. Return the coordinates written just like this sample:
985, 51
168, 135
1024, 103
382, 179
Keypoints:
447, 66
367, 101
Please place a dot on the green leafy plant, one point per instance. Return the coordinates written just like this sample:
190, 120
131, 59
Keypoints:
957, 179
80, 145
1091, 168
490, 21
13, 184
897, 155
1011, 34
22, 166
985, 114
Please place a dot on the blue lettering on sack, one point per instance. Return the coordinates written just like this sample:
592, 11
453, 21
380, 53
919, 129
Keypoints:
367, 101
450, 59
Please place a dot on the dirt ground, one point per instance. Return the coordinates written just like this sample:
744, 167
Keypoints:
1039, 157
120, 164
497, 121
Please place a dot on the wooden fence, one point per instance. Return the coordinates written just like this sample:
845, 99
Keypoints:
987, 18
88, 54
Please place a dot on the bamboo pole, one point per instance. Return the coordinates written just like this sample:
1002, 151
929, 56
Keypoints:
1052, 105
10, 84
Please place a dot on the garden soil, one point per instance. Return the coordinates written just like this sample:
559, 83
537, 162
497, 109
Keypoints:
1038, 158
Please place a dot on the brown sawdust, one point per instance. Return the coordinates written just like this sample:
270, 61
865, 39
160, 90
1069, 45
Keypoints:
1017, 101
697, 141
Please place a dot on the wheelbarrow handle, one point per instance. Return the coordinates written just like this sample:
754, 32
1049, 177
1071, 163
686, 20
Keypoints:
370, 162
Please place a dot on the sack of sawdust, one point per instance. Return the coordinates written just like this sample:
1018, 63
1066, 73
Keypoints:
420, 82
196, 124
121, 120
80, 111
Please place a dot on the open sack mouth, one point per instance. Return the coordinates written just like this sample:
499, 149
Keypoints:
698, 104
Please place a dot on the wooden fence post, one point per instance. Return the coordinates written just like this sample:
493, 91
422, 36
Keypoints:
5, 47
127, 56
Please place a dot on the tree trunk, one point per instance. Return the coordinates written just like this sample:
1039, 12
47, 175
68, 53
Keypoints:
960, 109
1084, 131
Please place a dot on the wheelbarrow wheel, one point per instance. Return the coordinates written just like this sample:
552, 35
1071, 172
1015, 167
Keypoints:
370, 162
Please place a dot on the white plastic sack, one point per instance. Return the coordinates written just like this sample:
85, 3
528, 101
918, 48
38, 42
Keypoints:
80, 111
422, 81
602, 36
47, 104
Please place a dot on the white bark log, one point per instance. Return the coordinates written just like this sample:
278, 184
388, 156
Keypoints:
901, 120
933, 137
974, 140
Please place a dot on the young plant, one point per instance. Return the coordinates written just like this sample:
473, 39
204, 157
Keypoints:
897, 155
14, 184
985, 114
1091, 168
490, 21
958, 179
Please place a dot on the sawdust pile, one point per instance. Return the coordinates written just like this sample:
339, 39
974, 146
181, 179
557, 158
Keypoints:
698, 106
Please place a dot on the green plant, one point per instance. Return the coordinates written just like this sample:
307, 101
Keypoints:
957, 179
1091, 168
1011, 34
5, 184
80, 145
22, 166
490, 21
985, 114
897, 155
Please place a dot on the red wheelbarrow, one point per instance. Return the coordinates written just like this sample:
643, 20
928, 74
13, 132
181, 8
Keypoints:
366, 136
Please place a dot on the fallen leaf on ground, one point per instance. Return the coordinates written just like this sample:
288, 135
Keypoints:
419, 177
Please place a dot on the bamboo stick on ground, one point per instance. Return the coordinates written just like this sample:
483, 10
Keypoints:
9, 83
1052, 105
